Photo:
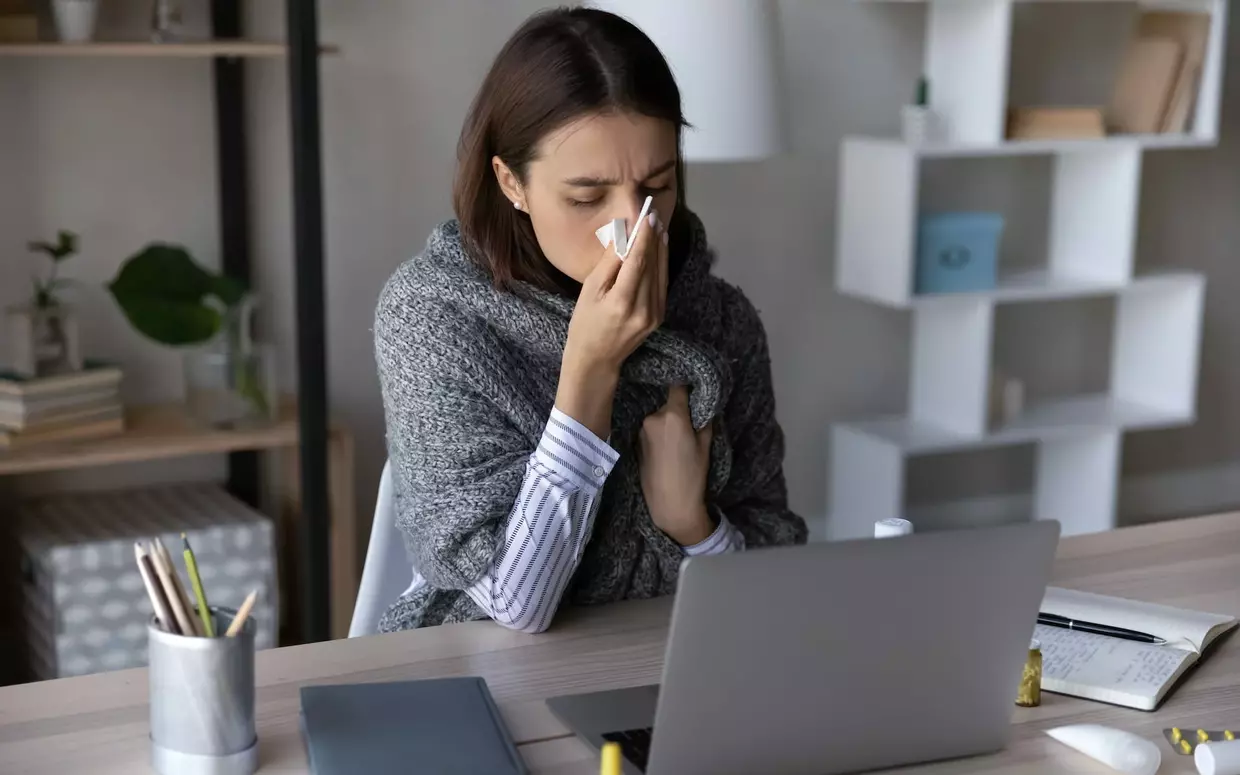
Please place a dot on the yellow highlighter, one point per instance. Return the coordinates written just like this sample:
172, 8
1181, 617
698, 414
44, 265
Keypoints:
611, 759
204, 613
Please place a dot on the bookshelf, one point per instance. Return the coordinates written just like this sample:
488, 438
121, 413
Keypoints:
1093, 219
324, 496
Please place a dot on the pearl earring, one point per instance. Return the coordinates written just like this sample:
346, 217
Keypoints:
517, 205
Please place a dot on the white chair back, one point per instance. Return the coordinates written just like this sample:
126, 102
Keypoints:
388, 571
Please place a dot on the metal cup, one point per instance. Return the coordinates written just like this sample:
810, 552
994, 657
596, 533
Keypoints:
202, 701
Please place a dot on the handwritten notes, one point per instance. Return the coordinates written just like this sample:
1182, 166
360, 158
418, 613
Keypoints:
1108, 664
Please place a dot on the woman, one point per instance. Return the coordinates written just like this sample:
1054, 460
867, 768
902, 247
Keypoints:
565, 426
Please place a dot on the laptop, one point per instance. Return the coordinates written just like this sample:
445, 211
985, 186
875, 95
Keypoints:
834, 657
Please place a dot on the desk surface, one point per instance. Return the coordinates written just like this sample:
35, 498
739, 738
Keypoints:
98, 724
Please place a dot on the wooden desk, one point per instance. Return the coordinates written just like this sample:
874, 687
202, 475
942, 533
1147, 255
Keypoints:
98, 724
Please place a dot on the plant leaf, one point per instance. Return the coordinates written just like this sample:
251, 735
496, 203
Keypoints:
172, 323
66, 245
228, 290
162, 291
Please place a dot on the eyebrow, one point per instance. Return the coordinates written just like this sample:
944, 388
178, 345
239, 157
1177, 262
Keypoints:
588, 182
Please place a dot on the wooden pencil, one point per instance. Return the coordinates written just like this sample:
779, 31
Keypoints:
166, 577
162, 552
243, 613
154, 591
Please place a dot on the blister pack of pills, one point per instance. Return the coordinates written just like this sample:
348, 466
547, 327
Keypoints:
1185, 741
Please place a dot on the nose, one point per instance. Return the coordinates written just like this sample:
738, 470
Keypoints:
632, 207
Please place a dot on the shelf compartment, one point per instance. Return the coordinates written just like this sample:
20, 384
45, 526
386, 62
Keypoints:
1151, 380
1092, 220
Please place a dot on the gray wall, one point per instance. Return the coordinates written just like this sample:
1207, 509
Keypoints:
122, 152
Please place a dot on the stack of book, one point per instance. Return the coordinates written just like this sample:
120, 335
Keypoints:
67, 407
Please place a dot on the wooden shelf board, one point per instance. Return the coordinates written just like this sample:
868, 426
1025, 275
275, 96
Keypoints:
1043, 147
185, 49
1059, 418
1040, 285
152, 433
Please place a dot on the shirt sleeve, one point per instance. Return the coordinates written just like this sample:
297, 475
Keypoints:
548, 527
726, 538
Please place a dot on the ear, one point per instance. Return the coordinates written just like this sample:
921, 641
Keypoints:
508, 182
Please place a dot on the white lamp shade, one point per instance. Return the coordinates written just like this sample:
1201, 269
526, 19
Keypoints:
723, 54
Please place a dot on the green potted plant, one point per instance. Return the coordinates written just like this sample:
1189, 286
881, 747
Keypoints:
44, 330
171, 299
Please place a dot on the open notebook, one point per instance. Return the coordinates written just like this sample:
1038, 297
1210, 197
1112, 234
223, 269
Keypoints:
1121, 672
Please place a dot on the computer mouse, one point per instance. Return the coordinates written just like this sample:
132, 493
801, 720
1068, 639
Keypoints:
1120, 750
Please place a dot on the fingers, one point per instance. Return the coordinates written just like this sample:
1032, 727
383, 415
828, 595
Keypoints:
630, 281
603, 276
662, 277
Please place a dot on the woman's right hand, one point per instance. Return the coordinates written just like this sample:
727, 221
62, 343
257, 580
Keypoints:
621, 303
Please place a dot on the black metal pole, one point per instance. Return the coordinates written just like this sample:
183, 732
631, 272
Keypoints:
303, 71
234, 204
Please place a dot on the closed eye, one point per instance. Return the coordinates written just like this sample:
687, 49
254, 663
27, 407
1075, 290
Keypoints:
584, 202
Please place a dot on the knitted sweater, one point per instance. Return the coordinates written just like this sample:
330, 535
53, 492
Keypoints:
469, 376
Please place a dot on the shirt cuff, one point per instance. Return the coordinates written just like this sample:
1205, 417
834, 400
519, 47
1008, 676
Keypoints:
726, 538
572, 451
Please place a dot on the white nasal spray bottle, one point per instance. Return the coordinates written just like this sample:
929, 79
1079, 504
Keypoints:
615, 232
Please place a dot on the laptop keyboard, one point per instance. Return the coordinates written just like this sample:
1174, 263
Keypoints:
634, 744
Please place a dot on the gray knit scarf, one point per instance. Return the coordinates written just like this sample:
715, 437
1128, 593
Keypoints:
469, 375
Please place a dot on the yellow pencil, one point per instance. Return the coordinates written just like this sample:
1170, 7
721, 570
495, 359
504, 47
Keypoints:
610, 759
204, 613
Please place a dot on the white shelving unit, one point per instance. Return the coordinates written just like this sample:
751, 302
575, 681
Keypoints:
1093, 225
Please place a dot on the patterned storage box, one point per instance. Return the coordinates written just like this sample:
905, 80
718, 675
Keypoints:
85, 606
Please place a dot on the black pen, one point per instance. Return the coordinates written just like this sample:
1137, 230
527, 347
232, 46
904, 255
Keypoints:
1055, 620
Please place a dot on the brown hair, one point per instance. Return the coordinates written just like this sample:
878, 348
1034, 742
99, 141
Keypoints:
560, 65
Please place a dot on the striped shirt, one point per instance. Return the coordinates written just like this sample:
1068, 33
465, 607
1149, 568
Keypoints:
550, 525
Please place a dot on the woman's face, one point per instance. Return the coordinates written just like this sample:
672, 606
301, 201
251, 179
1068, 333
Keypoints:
586, 173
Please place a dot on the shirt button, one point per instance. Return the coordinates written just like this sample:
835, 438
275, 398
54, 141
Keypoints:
599, 472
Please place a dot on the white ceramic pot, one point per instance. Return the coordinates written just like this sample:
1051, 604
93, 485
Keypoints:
75, 19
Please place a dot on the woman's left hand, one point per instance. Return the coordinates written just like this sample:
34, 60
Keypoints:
675, 461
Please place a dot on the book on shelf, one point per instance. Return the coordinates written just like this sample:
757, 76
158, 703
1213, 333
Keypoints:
1114, 670
96, 376
1055, 123
14, 440
1192, 31
19, 415
1159, 78
89, 413
1143, 91
63, 407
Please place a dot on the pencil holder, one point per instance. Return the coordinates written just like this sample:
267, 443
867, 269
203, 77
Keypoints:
202, 701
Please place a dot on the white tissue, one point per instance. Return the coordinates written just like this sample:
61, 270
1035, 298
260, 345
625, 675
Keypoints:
1122, 751
607, 234
1218, 758
615, 231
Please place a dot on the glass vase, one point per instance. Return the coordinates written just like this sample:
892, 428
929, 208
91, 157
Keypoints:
230, 382
44, 340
